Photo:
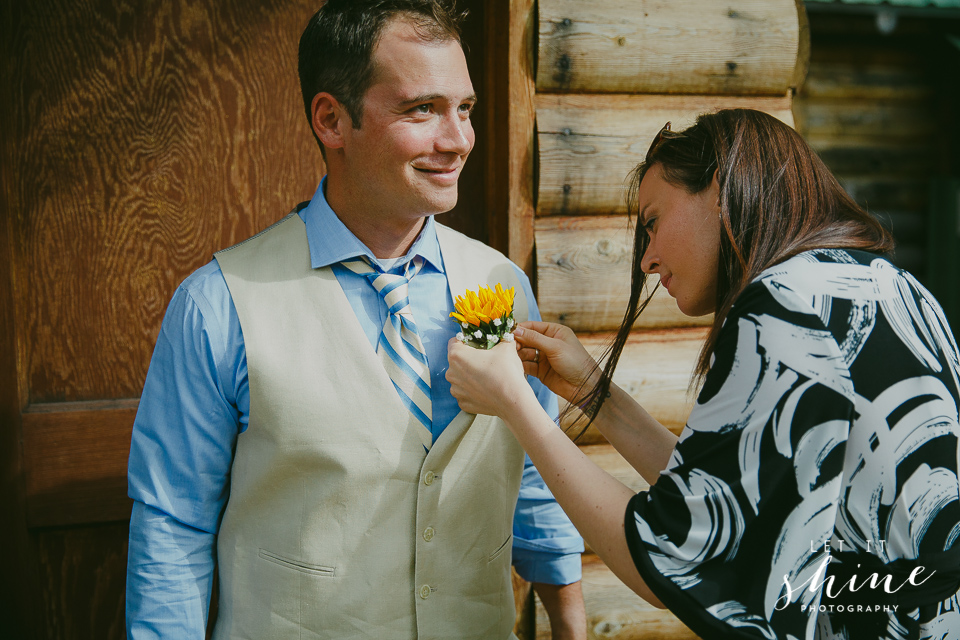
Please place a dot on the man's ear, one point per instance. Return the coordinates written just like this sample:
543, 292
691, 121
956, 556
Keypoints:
328, 119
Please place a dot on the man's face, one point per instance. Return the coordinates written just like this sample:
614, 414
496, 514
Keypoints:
416, 134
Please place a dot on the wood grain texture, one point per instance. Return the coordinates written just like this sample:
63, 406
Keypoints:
656, 369
867, 70
493, 109
19, 612
583, 275
148, 136
473, 215
870, 109
658, 46
872, 157
803, 46
522, 133
75, 462
864, 119
614, 612
589, 144
83, 573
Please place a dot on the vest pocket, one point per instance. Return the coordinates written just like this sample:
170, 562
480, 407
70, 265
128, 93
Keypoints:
296, 565
499, 552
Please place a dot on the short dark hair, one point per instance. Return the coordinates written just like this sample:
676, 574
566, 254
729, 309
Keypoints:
777, 199
336, 48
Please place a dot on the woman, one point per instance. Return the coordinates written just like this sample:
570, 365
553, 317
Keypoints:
822, 451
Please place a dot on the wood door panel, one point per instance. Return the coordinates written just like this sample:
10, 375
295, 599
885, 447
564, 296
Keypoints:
83, 579
150, 135
75, 462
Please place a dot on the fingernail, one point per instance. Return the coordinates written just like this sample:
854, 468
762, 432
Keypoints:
518, 331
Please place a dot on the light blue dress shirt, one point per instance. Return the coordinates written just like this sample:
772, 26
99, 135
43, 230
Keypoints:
196, 403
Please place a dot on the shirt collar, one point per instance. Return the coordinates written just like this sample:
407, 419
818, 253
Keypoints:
331, 242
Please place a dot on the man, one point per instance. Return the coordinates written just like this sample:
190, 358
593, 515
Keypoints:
296, 427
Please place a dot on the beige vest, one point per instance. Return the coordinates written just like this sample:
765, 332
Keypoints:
339, 524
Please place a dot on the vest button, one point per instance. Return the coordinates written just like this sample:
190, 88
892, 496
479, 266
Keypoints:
429, 477
428, 534
425, 591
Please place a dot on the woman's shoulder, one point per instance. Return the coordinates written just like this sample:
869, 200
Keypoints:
821, 289
810, 278
823, 268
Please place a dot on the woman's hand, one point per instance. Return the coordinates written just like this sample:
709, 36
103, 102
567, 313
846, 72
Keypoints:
554, 354
488, 382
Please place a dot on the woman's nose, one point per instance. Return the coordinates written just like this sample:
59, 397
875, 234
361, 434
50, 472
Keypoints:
649, 263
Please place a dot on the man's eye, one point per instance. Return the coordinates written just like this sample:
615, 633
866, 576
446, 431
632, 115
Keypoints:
421, 108
466, 108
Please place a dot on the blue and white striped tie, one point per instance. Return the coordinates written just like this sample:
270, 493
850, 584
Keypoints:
400, 348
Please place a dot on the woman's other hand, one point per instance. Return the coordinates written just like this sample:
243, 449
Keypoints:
487, 382
553, 353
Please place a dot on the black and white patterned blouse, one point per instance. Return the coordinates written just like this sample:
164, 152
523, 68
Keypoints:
822, 453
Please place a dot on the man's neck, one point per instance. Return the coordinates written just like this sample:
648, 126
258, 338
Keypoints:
385, 235
386, 239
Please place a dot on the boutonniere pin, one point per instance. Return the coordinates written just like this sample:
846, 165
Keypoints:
486, 317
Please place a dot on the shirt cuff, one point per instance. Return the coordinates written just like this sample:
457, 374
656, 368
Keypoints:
547, 568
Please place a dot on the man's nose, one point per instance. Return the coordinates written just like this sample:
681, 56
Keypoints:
456, 135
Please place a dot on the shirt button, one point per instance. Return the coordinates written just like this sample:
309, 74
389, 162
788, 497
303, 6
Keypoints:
428, 534
425, 591
429, 477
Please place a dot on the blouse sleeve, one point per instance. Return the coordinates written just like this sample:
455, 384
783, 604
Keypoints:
761, 454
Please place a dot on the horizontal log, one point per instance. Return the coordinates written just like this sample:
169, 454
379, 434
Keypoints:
583, 276
656, 369
873, 82
75, 461
863, 71
589, 144
865, 119
889, 192
614, 612
868, 157
659, 46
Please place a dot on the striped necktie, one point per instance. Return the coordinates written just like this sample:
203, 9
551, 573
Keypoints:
400, 348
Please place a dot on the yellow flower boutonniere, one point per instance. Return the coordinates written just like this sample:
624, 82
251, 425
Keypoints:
486, 317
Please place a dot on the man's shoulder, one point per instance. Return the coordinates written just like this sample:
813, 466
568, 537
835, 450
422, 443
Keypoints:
272, 232
206, 280
204, 295
477, 249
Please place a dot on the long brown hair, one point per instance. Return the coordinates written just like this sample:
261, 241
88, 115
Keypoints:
777, 199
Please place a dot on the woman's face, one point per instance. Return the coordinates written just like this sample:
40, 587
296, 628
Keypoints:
684, 232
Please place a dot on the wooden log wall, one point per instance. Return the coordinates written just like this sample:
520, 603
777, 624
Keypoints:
870, 110
606, 77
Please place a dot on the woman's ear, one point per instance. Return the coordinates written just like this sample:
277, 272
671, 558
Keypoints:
328, 119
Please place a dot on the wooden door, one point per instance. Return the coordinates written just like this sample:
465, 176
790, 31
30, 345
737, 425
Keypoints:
137, 139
